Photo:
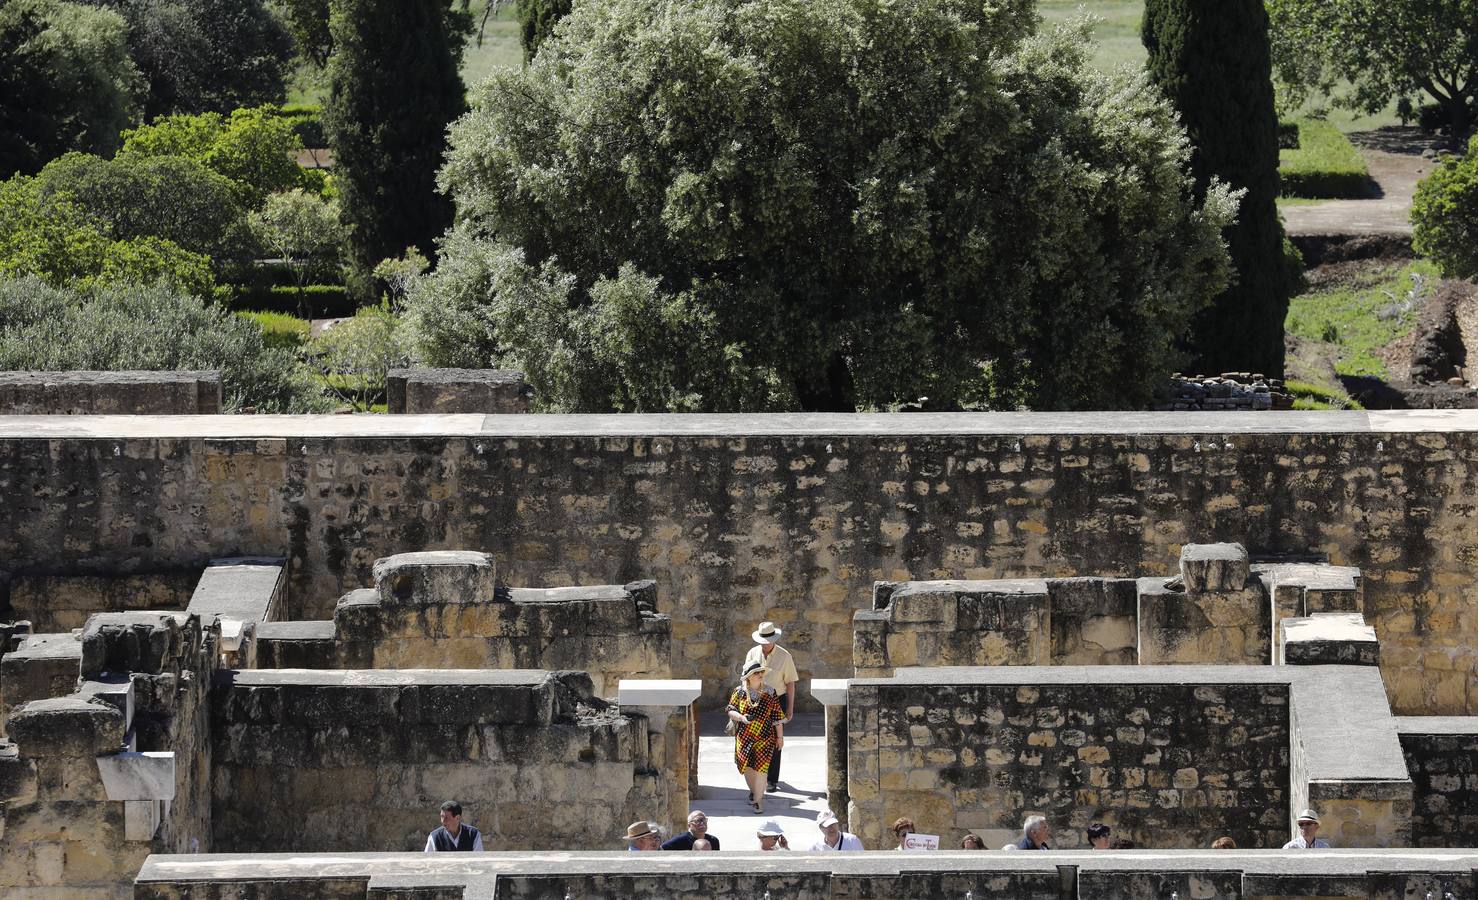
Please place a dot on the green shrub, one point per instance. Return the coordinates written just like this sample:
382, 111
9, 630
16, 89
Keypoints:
354, 356
1444, 215
279, 330
1325, 164
153, 327
1287, 135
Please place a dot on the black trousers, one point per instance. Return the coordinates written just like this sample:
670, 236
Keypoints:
774, 777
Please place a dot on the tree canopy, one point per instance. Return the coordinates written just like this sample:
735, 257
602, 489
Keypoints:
67, 82
779, 204
207, 55
252, 147
1444, 215
1387, 49
1212, 61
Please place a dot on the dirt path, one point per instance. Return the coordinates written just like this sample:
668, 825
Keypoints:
1394, 155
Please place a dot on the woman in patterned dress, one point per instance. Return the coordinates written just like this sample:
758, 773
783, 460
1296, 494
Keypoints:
755, 711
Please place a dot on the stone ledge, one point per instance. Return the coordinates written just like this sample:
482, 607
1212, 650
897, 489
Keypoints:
1436, 725
658, 691
816, 425
830, 691
248, 589
138, 776
125, 393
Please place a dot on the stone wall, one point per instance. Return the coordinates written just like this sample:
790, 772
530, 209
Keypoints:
1219, 609
110, 393
361, 760
1169, 756
788, 518
1442, 755
417, 391
1165, 765
461, 619
62, 602
98, 779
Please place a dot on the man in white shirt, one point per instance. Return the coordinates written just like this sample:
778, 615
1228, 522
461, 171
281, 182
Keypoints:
782, 677
832, 835
1308, 833
453, 835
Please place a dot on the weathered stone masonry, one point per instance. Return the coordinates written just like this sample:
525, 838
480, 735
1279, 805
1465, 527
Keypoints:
790, 518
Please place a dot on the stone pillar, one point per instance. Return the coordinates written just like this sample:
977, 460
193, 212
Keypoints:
832, 693
1327, 639
669, 707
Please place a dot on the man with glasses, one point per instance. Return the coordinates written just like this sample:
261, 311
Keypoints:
697, 830
1308, 833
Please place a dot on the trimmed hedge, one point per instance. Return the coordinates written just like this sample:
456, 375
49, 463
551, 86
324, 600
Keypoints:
1324, 166
326, 300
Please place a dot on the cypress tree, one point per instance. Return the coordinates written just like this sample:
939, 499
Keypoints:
394, 89
1213, 61
537, 19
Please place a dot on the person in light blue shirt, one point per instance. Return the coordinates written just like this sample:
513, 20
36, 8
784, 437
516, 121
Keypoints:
1308, 833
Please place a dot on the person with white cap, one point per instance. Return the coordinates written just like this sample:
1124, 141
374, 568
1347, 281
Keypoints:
1308, 833
771, 837
782, 677
832, 835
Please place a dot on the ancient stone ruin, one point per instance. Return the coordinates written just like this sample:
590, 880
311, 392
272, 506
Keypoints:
228, 637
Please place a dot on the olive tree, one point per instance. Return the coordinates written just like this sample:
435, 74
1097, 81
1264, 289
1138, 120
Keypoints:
781, 204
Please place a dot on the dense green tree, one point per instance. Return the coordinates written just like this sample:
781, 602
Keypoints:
764, 204
167, 197
1212, 61
66, 82
151, 326
252, 147
303, 230
1444, 215
1386, 49
308, 22
394, 89
201, 55
54, 239
536, 19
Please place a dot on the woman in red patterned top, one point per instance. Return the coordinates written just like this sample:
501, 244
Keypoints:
756, 713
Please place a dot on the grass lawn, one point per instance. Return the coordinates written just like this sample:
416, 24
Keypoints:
1358, 319
1117, 34
499, 46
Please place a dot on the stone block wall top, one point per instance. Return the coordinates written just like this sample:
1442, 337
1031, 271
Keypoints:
66, 727
417, 391
147, 642
110, 393
1207, 568
436, 577
247, 589
1328, 638
659, 691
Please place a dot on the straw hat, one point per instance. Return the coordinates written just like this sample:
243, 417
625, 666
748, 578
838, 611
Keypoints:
638, 830
767, 633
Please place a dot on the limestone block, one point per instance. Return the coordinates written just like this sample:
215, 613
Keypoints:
1328, 639
870, 643
66, 727
493, 391
1093, 621
435, 577
1214, 567
17, 776
144, 642
116, 691
1222, 627
141, 819
43, 666
138, 776
659, 691
248, 589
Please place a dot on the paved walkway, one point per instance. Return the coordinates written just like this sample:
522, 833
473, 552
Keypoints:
723, 795
1396, 166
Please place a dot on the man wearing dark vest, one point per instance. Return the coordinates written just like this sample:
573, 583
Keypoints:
453, 835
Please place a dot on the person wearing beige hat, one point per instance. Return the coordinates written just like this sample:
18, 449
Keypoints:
782, 677
759, 730
641, 836
1308, 833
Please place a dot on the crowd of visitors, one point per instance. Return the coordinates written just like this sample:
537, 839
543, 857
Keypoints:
759, 709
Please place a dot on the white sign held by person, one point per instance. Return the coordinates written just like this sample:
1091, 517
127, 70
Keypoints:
921, 842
